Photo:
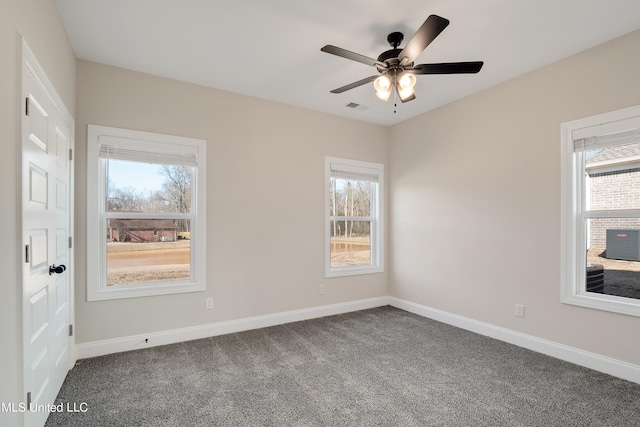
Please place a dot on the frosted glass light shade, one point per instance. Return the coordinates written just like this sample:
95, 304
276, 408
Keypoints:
406, 80
382, 86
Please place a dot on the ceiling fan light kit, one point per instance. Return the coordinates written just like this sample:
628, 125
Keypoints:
406, 94
407, 80
396, 65
382, 85
406, 85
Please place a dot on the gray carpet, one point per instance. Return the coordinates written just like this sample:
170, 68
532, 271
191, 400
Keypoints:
378, 367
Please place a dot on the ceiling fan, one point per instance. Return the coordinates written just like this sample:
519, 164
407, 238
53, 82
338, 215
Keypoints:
396, 66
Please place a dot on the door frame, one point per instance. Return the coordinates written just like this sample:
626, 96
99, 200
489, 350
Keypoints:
28, 60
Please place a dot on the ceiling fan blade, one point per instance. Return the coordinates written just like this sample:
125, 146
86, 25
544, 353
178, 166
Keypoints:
449, 68
354, 84
429, 30
338, 51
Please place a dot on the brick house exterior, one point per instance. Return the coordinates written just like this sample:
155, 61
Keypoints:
141, 230
613, 183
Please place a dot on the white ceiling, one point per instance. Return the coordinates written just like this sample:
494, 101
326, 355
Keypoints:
271, 49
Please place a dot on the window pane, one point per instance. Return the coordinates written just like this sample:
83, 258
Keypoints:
148, 250
349, 197
144, 187
350, 243
613, 256
613, 180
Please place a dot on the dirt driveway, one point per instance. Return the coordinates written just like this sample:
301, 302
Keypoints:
129, 263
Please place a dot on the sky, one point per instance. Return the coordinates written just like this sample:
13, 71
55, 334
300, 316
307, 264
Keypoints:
144, 177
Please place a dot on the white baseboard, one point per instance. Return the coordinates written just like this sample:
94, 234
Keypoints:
593, 361
576, 356
136, 342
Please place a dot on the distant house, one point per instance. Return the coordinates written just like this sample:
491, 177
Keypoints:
141, 230
613, 183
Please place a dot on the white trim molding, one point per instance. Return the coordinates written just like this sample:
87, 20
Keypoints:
576, 356
154, 339
108, 143
573, 355
605, 130
373, 173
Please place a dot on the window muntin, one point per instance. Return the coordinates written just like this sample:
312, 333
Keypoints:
354, 224
146, 193
601, 203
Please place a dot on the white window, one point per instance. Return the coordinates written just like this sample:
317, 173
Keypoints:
146, 201
354, 217
601, 212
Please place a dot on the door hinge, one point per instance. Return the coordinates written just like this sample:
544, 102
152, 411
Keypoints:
70, 242
70, 330
26, 253
29, 400
70, 153
26, 107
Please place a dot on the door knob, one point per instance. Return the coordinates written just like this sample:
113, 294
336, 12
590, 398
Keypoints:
58, 270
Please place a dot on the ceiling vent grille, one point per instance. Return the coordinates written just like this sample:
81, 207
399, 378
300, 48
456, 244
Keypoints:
355, 106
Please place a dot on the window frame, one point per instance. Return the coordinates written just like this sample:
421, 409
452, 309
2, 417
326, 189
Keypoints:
575, 214
376, 216
97, 216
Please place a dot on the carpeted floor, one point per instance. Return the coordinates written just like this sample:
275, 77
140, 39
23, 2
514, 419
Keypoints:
378, 367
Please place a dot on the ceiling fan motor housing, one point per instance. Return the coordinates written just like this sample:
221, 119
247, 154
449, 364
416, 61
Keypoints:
390, 57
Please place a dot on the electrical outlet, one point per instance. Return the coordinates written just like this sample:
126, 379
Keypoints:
322, 289
209, 304
519, 310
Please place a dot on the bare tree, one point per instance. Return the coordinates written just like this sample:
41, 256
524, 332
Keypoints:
177, 187
347, 193
154, 201
351, 198
333, 205
123, 199
176, 190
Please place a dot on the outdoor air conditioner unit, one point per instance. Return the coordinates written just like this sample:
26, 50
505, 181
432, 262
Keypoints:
623, 244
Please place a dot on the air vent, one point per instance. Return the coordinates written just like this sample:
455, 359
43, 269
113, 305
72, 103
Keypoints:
355, 106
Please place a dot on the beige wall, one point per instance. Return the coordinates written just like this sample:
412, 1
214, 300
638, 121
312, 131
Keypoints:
474, 195
475, 200
39, 23
265, 199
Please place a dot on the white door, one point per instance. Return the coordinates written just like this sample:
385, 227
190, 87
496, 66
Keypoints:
46, 198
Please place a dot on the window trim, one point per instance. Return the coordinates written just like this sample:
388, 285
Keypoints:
376, 217
573, 213
97, 289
